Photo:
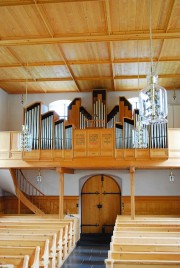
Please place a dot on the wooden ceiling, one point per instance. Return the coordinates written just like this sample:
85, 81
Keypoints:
80, 45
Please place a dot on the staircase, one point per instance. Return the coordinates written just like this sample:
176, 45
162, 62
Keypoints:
26, 192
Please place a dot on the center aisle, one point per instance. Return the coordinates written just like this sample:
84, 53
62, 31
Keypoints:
90, 252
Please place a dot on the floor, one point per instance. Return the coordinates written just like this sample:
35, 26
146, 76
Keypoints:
89, 253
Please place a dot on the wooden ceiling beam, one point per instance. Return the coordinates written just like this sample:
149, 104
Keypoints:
144, 76
86, 62
39, 2
22, 80
57, 79
88, 38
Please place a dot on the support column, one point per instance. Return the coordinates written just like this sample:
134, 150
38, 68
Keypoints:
61, 171
132, 172
19, 205
61, 196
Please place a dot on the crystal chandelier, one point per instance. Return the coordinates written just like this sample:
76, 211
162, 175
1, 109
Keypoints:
25, 136
140, 136
25, 139
153, 98
153, 101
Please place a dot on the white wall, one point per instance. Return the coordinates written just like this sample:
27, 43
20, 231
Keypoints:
6, 181
3, 110
147, 182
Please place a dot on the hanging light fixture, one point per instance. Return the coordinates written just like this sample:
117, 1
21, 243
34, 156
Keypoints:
25, 137
39, 177
171, 176
153, 98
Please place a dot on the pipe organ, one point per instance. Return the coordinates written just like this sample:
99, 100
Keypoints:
158, 135
32, 115
47, 130
59, 134
119, 135
113, 117
99, 108
84, 118
128, 126
68, 137
51, 132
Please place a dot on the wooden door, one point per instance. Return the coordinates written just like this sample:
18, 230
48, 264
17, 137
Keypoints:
100, 203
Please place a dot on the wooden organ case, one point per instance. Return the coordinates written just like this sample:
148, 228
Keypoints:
99, 134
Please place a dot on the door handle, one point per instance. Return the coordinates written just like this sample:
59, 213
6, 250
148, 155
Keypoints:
99, 206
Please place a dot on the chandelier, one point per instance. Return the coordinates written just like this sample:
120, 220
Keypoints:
153, 98
25, 139
140, 135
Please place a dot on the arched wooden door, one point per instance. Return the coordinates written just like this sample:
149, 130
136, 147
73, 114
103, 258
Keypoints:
100, 203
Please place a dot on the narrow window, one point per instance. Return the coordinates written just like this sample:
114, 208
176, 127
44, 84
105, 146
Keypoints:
60, 107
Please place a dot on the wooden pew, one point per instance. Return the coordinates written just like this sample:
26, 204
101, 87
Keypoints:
23, 236
75, 232
144, 247
43, 244
144, 233
54, 226
164, 256
110, 263
13, 230
147, 217
32, 252
18, 261
145, 242
46, 224
148, 228
69, 227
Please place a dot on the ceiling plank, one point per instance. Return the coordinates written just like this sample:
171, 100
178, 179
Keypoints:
168, 20
44, 18
88, 38
110, 47
39, 2
51, 33
68, 67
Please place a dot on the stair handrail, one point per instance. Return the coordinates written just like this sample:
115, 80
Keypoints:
23, 187
21, 181
19, 178
29, 189
22, 196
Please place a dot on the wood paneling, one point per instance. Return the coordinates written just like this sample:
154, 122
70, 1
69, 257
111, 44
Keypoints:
144, 205
1, 205
50, 204
152, 205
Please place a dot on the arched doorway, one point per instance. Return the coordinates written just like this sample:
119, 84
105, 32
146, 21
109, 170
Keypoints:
100, 204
